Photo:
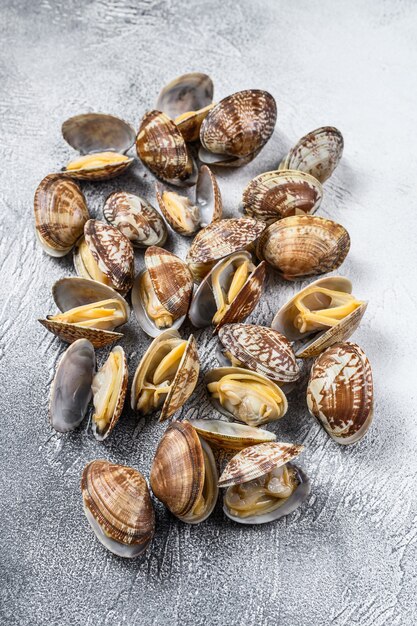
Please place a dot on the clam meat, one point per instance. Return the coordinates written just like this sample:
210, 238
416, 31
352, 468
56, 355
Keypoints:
109, 388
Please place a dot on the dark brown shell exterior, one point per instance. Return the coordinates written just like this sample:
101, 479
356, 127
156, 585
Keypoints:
71, 332
98, 132
340, 392
171, 279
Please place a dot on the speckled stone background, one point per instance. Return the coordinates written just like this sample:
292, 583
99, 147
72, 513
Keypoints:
348, 556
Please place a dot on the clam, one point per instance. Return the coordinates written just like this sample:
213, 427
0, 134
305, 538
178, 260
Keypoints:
71, 387
161, 293
340, 392
220, 239
237, 128
89, 310
274, 195
136, 219
245, 396
229, 292
166, 376
259, 349
303, 245
162, 149
60, 214
184, 474
118, 507
102, 141
263, 485
317, 153
186, 216
230, 436
109, 388
320, 315
104, 254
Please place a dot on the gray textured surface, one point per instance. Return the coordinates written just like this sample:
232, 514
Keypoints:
349, 555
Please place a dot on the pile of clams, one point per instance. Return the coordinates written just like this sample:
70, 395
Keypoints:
219, 282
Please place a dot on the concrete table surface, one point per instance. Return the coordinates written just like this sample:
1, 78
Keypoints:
348, 556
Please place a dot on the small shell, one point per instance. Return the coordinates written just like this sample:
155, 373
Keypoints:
118, 507
261, 350
274, 195
303, 245
161, 147
71, 387
109, 391
186, 93
230, 436
136, 219
340, 392
317, 153
60, 214
101, 166
189, 124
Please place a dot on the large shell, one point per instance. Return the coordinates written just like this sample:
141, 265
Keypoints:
71, 387
113, 388
274, 195
136, 219
162, 148
230, 436
340, 392
313, 344
239, 126
185, 93
112, 252
118, 507
317, 153
179, 471
261, 350
60, 214
220, 239
303, 245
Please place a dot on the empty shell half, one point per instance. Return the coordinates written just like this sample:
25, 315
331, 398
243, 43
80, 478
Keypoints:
109, 388
230, 435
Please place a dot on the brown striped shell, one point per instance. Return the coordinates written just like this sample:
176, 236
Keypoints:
189, 124
340, 392
317, 153
103, 172
274, 195
60, 214
118, 507
303, 245
230, 436
261, 350
115, 386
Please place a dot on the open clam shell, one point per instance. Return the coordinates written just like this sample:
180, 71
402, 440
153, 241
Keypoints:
60, 214
109, 388
274, 195
318, 297
303, 245
188, 92
220, 239
230, 436
118, 507
184, 474
161, 298
317, 153
340, 392
71, 388
89, 310
227, 295
245, 395
166, 375
162, 149
259, 349
136, 219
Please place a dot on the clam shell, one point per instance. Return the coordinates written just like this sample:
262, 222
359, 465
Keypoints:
169, 216
171, 280
188, 92
274, 195
230, 436
121, 395
261, 350
189, 124
74, 291
118, 507
71, 388
60, 214
97, 132
317, 153
136, 219
340, 392
71, 332
103, 172
162, 149
303, 245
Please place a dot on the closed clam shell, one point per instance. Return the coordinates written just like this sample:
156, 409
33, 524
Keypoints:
112, 389
340, 392
317, 153
261, 350
162, 148
303, 245
274, 195
136, 219
71, 388
230, 436
188, 92
60, 214
118, 506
